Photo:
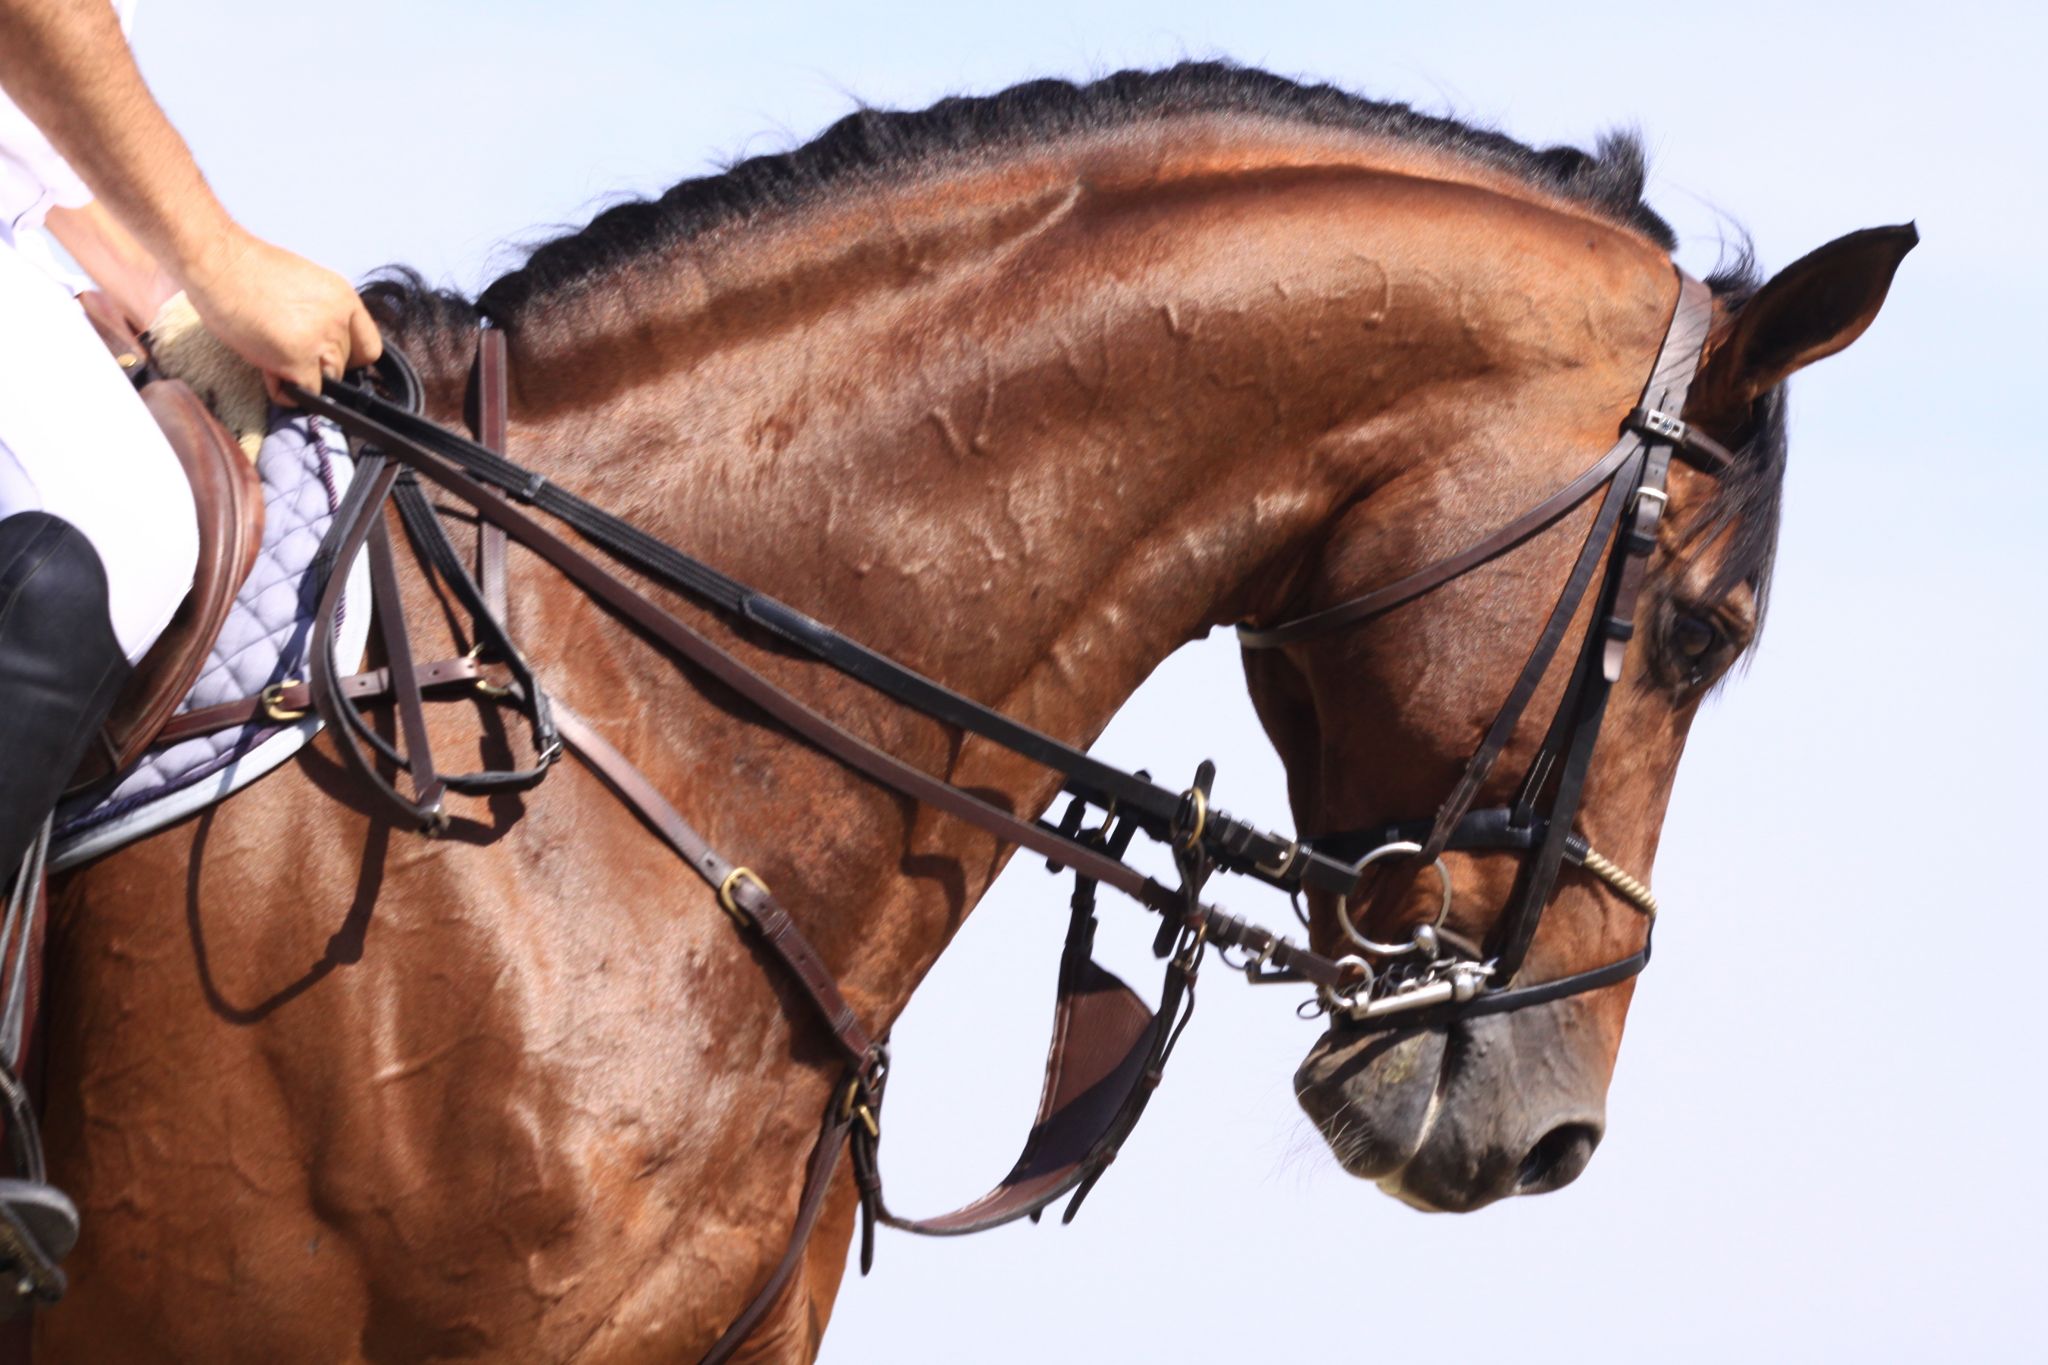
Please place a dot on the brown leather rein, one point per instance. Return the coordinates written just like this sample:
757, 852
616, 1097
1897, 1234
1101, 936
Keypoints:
1109, 1047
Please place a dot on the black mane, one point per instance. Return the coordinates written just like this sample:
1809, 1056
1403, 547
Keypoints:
872, 146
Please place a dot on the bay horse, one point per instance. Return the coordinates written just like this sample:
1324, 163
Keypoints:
1028, 391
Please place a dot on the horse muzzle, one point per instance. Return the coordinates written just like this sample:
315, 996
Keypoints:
1452, 1117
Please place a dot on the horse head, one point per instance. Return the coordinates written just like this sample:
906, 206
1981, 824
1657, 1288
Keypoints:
1376, 725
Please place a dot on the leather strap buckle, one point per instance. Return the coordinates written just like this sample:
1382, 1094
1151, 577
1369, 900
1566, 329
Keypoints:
484, 686
272, 698
852, 1106
728, 894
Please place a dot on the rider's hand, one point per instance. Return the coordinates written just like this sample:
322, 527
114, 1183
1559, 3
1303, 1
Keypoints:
283, 314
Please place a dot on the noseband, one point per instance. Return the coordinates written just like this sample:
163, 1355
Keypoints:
1434, 969
1110, 1048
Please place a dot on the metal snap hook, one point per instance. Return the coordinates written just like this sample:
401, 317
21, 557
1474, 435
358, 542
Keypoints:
1344, 999
1399, 847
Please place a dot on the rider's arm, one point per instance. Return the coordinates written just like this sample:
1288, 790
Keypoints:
67, 65
121, 266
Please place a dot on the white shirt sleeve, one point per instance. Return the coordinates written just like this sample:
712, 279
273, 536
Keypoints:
33, 178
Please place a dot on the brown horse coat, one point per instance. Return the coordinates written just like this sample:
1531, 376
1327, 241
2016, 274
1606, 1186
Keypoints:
1028, 419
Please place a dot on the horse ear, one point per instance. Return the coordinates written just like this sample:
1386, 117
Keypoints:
1807, 312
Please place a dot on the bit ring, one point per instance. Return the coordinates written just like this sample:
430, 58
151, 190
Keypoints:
1397, 848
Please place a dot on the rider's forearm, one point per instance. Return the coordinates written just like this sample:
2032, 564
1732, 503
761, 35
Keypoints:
121, 266
66, 63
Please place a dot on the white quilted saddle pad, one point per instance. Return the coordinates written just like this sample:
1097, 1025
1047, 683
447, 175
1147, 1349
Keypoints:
304, 467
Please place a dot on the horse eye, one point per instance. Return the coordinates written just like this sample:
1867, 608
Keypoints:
1694, 636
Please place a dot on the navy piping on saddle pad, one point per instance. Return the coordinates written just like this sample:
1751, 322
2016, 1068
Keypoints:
303, 459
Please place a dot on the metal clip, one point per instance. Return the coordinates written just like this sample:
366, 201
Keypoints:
1660, 425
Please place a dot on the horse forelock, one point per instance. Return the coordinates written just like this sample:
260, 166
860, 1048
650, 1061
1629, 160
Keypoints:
1740, 526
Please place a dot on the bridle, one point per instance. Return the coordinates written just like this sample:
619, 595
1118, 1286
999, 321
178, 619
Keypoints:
1420, 974
1109, 1047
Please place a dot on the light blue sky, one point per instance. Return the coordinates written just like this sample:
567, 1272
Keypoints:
1825, 1136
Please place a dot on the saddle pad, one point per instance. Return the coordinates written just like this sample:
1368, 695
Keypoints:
304, 467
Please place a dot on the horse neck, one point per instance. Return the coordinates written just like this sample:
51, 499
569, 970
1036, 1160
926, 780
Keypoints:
1028, 446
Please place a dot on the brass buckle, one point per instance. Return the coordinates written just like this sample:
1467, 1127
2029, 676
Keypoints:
484, 686
731, 903
272, 698
1201, 820
850, 1109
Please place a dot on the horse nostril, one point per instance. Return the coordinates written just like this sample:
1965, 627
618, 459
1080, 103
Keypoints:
1558, 1158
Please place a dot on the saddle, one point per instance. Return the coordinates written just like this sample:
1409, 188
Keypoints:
229, 500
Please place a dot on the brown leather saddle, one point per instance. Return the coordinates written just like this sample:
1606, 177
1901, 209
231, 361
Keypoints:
229, 499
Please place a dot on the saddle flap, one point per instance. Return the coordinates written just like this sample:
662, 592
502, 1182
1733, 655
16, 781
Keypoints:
1099, 1072
229, 499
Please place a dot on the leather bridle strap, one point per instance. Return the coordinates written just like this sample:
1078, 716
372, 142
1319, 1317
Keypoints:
428, 786
1393, 887
818, 1173
1089, 1103
1233, 844
1358, 610
1651, 424
1509, 717
290, 701
747, 899
679, 639
1075, 1137
358, 522
1608, 638
1108, 1052
741, 893
1633, 473
493, 403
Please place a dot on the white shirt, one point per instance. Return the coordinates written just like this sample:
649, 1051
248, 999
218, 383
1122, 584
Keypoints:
75, 441
33, 178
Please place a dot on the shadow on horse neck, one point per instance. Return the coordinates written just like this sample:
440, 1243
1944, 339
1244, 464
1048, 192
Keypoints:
1028, 417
